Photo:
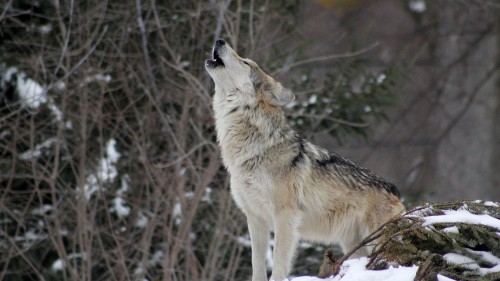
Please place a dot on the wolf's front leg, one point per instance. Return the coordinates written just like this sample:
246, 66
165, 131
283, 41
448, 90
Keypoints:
286, 239
259, 237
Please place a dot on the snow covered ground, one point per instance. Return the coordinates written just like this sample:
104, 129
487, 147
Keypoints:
354, 270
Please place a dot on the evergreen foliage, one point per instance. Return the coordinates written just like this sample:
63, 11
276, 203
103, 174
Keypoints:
470, 248
350, 99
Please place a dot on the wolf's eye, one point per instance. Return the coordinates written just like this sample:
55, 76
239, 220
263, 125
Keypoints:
245, 63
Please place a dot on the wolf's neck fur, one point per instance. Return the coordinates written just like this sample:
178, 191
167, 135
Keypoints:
247, 128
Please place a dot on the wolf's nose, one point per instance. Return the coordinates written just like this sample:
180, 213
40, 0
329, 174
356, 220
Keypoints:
220, 42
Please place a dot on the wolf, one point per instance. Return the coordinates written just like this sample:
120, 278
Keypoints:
282, 182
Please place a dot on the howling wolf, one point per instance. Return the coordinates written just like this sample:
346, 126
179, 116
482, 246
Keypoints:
282, 182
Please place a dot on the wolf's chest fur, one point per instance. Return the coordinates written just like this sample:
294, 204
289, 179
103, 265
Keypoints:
249, 134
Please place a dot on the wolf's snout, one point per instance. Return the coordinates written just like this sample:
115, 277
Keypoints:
219, 42
217, 51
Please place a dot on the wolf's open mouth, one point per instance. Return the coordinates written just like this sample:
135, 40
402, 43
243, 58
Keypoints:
216, 57
216, 60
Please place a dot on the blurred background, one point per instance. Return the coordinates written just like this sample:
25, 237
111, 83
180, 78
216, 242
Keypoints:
109, 165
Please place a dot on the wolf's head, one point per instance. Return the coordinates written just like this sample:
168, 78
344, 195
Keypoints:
244, 78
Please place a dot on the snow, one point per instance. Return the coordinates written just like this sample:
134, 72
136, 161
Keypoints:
8, 74
458, 259
60, 86
113, 154
45, 29
313, 99
417, 6
420, 212
31, 93
484, 271
206, 196
182, 171
156, 259
185, 64
106, 171
381, 78
55, 110
58, 265
177, 212
97, 77
491, 204
452, 216
471, 264
452, 229
444, 278
119, 207
42, 210
487, 256
37, 151
355, 270
141, 221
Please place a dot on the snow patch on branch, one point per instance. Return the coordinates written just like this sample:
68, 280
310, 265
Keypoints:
106, 171
462, 216
417, 6
31, 93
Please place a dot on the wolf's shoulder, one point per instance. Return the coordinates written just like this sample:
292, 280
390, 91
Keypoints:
329, 163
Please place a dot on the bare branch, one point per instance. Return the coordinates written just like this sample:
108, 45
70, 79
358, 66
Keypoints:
287, 68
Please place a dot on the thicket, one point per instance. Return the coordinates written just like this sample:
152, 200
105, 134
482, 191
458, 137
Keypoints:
109, 166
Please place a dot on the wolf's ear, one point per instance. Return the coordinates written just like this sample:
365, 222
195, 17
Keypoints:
279, 96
